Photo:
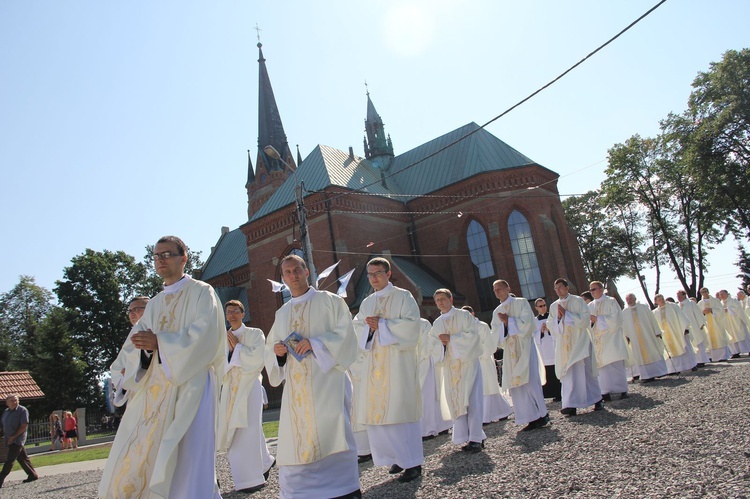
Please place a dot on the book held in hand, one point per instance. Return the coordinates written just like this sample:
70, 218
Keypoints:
291, 343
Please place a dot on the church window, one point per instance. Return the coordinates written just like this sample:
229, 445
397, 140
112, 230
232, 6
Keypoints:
524, 255
481, 263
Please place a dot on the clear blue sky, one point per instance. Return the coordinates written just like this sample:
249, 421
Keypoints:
125, 121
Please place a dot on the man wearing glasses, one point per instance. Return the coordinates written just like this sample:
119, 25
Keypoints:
241, 404
609, 342
390, 401
165, 445
523, 371
117, 370
546, 344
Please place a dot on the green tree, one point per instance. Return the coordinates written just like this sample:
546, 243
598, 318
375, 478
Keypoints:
94, 292
743, 263
606, 251
153, 284
21, 310
60, 370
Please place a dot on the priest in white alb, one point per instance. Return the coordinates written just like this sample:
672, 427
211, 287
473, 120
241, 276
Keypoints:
364, 454
575, 360
316, 453
674, 326
463, 390
643, 333
738, 324
387, 327
136, 308
431, 355
166, 443
697, 327
612, 353
716, 326
513, 324
545, 342
241, 404
496, 408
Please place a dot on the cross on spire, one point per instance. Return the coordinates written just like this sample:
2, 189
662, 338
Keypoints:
258, 30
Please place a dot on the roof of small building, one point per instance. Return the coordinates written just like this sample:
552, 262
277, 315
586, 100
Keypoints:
230, 253
21, 383
422, 170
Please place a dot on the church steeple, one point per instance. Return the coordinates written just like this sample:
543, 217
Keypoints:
269, 173
378, 146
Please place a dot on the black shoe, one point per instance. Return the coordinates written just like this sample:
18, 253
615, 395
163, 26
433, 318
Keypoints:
427, 437
531, 426
568, 411
357, 494
252, 490
695, 368
636, 378
701, 364
735, 356
544, 420
599, 406
649, 380
395, 469
268, 471
444, 432
472, 447
410, 474
365, 458
607, 397
624, 395
31, 479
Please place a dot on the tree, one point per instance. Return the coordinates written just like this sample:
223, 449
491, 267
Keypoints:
60, 370
602, 238
94, 292
21, 310
744, 264
153, 284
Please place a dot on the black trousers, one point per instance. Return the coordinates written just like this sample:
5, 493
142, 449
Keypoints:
17, 453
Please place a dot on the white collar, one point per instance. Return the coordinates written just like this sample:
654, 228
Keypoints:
305, 296
177, 286
448, 313
600, 299
386, 290
239, 330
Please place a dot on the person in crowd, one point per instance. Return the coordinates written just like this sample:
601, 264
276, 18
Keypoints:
716, 326
431, 357
644, 335
612, 354
675, 328
15, 422
545, 342
697, 327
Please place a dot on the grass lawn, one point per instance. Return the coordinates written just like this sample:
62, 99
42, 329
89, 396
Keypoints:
270, 429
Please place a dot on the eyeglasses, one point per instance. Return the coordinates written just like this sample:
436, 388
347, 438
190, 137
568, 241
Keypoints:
135, 309
234, 312
541, 306
375, 274
595, 289
164, 255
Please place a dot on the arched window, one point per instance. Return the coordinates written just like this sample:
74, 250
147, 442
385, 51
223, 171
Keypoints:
524, 254
484, 272
286, 295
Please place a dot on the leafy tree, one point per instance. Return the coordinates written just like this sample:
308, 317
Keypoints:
153, 283
21, 310
744, 264
94, 291
60, 371
603, 239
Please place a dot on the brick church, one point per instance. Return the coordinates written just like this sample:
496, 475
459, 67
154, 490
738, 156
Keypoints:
458, 212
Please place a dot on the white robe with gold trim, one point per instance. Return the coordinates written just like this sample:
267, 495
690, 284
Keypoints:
641, 328
673, 324
697, 329
716, 328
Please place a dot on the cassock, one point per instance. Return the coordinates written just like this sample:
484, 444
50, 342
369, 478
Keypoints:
697, 329
716, 329
165, 444
390, 401
612, 353
575, 360
545, 342
431, 354
738, 326
523, 370
462, 398
673, 324
316, 452
641, 328
495, 405
241, 411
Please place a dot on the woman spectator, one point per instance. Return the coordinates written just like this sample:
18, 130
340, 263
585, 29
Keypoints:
71, 430
56, 432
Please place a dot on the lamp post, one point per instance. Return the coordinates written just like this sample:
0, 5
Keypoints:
301, 215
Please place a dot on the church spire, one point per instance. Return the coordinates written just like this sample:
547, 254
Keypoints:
378, 146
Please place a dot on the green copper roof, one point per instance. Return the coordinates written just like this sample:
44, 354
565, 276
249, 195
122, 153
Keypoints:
230, 253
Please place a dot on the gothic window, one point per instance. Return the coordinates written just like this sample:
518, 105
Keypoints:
481, 263
524, 254
286, 295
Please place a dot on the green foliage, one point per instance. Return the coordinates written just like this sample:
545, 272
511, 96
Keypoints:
59, 369
95, 290
21, 310
743, 263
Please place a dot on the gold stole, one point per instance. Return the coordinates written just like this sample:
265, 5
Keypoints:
565, 341
377, 379
234, 375
512, 348
299, 383
134, 474
598, 335
645, 356
670, 339
455, 389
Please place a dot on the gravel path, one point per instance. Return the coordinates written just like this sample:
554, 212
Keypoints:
683, 436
